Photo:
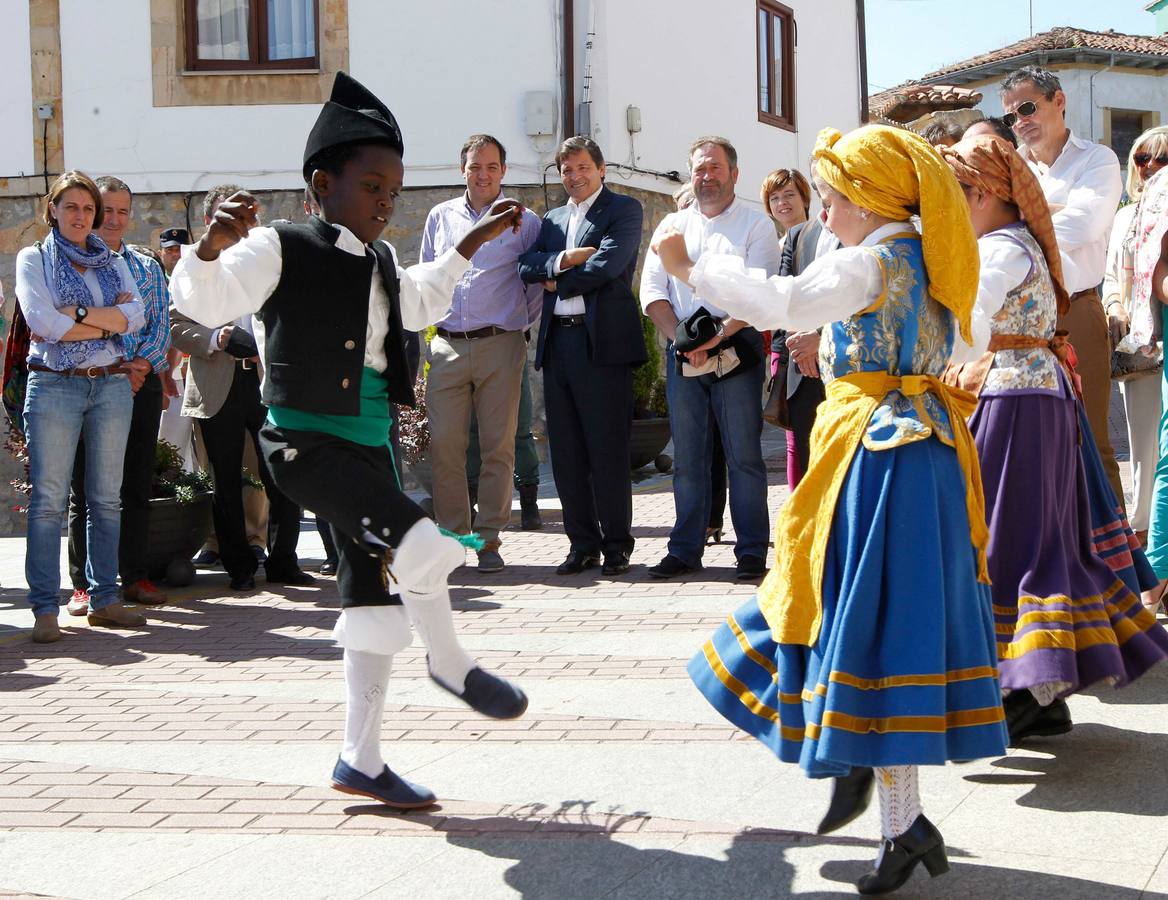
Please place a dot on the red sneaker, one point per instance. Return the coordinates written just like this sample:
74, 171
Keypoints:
144, 592
78, 603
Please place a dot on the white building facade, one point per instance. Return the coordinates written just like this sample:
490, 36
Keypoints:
132, 105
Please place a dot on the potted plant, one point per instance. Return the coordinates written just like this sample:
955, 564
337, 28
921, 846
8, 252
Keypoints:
180, 515
651, 431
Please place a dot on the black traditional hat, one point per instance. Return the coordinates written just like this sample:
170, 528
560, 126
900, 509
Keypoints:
352, 114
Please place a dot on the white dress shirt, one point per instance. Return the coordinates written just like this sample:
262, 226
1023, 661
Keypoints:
246, 274
573, 306
738, 231
1083, 188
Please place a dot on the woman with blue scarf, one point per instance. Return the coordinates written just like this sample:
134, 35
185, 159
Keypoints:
79, 299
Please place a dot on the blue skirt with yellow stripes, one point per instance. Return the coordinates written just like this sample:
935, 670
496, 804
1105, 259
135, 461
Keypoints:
904, 671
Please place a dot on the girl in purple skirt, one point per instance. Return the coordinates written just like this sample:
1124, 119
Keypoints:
1064, 618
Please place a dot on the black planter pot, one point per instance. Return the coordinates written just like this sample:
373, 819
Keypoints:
648, 440
176, 531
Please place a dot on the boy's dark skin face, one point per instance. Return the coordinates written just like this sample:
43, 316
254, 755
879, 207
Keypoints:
361, 198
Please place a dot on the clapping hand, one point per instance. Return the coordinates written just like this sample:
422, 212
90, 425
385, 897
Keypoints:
230, 224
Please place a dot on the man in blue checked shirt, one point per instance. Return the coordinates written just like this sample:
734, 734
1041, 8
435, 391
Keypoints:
145, 352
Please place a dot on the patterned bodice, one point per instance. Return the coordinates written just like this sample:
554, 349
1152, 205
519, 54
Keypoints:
1030, 309
903, 332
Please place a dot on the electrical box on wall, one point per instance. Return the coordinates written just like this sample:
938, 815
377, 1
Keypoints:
633, 119
539, 112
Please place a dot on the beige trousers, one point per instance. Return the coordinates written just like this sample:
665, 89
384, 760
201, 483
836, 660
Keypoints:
485, 374
1087, 326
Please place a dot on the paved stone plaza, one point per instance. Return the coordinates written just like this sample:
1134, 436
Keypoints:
191, 758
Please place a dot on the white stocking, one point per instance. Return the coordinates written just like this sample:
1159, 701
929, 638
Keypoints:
900, 799
432, 619
366, 679
1047, 692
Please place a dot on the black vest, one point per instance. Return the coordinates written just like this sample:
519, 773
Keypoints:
315, 323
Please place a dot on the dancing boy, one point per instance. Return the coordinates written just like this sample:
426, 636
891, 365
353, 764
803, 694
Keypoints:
330, 303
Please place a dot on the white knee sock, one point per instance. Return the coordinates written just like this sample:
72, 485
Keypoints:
900, 799
366, 679
432, 619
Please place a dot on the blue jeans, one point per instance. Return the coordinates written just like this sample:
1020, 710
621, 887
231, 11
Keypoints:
736, 405
58, 410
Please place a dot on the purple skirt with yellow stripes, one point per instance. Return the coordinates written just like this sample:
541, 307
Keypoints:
1114, 541
1065, 616
904, 670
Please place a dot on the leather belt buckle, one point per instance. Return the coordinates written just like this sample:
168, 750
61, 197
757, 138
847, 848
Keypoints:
93, 371
246, 364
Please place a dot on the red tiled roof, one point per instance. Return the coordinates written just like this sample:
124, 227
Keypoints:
912, 100
1063, 38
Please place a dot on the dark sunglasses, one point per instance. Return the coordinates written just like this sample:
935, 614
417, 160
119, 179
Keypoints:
1142, 159
1024, 111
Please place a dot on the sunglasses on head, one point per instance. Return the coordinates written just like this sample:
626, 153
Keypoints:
1142, 159
1024, 111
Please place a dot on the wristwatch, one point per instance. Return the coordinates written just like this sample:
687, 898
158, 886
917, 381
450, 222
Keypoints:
79, 315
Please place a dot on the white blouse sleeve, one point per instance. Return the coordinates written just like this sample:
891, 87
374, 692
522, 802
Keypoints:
832, 288
427, 288
1005, 264
238, 283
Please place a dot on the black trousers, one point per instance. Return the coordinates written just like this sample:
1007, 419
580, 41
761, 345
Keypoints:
354, 489
241, 417
802, 406
589, 422
137, 474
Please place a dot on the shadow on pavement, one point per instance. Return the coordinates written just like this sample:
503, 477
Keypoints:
1081, 775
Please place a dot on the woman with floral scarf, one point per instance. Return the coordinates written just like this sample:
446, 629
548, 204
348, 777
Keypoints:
78, 298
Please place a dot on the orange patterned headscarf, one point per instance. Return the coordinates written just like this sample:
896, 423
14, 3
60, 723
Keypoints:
991, 164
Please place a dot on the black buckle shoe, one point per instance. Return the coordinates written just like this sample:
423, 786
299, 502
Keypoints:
850, 796
899, 856
577, 562
1026, 719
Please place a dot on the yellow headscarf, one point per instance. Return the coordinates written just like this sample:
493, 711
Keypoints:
894, 173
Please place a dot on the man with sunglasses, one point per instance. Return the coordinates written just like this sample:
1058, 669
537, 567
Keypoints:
1081, 181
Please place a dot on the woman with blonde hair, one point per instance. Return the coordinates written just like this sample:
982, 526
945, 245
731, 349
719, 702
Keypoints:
1137, 385
78, 298
871, 642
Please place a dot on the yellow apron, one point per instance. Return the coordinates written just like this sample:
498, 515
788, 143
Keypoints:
791, 596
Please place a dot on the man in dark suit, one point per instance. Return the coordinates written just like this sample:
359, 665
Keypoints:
590, 340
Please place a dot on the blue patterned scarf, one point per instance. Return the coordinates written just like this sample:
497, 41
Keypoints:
72, 290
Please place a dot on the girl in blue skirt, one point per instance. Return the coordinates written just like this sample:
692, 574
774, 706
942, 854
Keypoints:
871, 642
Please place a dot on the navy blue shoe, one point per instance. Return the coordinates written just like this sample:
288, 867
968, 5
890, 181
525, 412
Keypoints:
489, 694
387, 788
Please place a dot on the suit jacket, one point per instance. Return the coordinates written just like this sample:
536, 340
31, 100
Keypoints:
611, 312
209, 373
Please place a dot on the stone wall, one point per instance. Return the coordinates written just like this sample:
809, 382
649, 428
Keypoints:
20, 226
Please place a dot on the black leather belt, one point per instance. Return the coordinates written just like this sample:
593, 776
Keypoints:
489, 331
569, 321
